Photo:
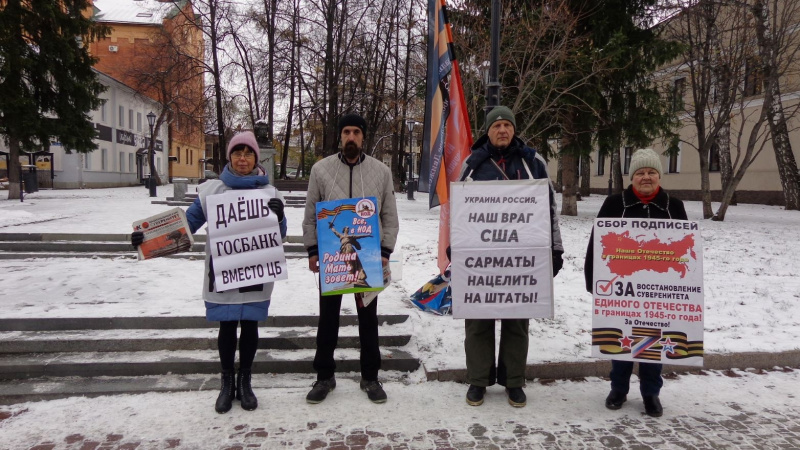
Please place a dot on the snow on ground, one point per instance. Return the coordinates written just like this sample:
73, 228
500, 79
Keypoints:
562, 414
752, 291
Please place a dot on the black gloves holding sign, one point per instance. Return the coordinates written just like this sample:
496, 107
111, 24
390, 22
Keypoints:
558, 261
276, 205
137, 237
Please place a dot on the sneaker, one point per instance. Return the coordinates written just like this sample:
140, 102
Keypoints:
516, 397
615, 399
374, 390
652, 406
475, 395
320, 389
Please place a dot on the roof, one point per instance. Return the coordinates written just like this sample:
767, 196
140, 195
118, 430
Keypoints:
146, 12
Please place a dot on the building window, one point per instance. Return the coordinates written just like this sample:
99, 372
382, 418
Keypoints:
103, 111
601, 164
627, 164
678, 89
673, 163
104, 160
121, 115
188, 161
178, 158
130, 119
131, 163
138, 121
753, 77
713, 158
87, 161
121, 162
191, 157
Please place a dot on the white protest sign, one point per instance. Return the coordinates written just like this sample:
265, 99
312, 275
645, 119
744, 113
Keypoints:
500, 243
244, 239
648, 291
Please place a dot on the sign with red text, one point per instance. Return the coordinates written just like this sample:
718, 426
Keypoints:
244, 239
501, 249
647, 302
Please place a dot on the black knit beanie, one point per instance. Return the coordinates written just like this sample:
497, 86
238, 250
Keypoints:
352, 120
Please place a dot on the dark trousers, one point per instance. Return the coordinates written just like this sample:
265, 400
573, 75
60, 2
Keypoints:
650, 380
509, 371
328, 336
248, 343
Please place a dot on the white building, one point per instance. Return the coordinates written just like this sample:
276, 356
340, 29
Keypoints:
123, 135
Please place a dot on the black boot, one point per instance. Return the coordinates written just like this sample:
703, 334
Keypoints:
226, 392
244, 391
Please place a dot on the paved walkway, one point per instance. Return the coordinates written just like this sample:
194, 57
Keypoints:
718, 410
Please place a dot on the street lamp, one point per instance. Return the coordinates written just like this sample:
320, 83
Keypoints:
410, 185
151, 154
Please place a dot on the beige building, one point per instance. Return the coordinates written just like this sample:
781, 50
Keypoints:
761, 182
135, 25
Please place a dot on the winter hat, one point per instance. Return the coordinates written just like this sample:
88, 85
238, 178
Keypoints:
352, 120
247, 138
645, 157
500, 113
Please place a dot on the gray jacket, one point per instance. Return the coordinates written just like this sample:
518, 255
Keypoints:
334, 179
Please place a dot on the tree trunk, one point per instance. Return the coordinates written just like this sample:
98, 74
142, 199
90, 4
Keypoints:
219, 161
616, 171
725, 163
271, 71
586, 173
560, 174
13, 168
705, 183
776, 117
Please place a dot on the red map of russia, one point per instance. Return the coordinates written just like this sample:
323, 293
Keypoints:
625, 255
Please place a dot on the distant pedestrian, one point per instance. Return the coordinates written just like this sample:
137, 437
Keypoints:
349, 173
643, 199
244, 306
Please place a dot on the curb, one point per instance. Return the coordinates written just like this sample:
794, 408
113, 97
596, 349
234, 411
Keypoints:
569, 370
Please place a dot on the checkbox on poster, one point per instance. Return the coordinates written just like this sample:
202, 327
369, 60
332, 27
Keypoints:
604, 287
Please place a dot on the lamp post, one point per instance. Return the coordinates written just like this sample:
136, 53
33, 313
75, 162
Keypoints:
151, 154
410, 185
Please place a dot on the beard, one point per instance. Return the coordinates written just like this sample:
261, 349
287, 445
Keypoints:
351, 150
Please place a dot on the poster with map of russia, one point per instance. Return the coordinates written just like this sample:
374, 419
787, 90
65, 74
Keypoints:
647, 303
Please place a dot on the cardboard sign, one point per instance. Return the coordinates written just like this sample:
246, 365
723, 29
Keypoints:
647, 303
501, 249
349, 241
244, 239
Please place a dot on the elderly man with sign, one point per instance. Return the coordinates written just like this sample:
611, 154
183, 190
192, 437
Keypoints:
241, 199
506, 247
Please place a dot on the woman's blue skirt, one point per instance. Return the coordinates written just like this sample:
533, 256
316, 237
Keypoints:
218, 312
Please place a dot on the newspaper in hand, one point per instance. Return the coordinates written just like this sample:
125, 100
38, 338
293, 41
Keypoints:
164, 234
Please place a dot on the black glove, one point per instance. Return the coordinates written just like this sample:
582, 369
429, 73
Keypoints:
276, 205
137, 237
558, 261
447, 252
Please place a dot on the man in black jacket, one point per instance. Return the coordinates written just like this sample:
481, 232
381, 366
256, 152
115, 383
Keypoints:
500, 155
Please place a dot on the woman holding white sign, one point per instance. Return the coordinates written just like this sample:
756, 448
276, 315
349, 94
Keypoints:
643, 199
245, 306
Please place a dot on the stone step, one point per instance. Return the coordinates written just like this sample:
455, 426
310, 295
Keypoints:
96, 237
19, 342
168, 323
100, 247
97, 364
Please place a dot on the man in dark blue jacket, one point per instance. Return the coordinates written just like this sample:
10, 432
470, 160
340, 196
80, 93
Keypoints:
500, 155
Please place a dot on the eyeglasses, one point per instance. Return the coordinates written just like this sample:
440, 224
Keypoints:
243, 154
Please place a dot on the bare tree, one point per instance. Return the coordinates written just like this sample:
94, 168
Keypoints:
777, 38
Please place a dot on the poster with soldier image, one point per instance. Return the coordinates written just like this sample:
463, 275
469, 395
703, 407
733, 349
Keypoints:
500, 242
348, 236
